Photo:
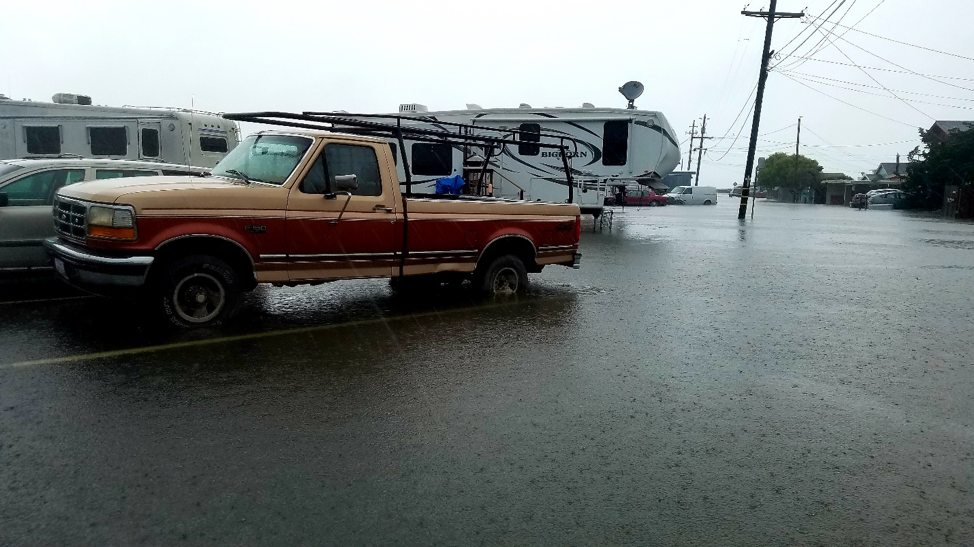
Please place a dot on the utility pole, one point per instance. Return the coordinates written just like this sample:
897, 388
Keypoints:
772, 16
703, 132
798, 137
693, 135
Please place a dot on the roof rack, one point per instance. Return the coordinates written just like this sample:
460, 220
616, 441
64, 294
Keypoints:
362, 124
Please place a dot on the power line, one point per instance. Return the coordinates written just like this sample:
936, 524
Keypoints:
794, 73
777, 130
880, 94
844, 102
889, 70
905, 43
733, 123
814, 50
741, 130
861, 19
809, 37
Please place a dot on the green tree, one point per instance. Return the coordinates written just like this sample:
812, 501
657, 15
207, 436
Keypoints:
941, 162
789, 171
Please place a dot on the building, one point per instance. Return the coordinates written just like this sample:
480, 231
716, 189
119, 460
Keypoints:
941, 129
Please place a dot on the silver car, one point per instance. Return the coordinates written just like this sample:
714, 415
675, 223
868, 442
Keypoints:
27, 188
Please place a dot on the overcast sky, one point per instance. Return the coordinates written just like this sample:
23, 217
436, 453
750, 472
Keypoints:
695, 57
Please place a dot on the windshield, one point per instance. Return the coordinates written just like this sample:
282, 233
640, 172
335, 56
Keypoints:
264, 158
7, 168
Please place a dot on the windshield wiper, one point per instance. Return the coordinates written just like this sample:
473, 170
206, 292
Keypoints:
239, 175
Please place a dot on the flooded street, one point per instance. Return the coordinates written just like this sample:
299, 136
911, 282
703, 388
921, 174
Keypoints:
803, 378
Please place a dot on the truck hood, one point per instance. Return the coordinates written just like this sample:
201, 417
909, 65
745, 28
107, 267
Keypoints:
172, 192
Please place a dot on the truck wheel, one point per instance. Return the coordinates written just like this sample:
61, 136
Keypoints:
198, 291
708, 202
653, 204
504, 276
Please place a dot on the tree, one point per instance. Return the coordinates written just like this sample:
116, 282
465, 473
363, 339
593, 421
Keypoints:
789, 171
941, 162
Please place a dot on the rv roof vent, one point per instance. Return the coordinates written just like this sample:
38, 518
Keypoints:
524, 105
474, 106
71, 98
588, 105
413, 107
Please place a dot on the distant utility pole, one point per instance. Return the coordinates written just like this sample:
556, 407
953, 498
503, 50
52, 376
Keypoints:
703, 133
771, 16
693, 135
798, 137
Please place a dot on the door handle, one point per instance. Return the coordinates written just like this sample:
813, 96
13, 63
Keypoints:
381, 207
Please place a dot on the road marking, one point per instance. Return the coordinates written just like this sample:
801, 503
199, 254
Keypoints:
237, 338
45, 300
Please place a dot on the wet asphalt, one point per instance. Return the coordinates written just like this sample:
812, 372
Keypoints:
805, 378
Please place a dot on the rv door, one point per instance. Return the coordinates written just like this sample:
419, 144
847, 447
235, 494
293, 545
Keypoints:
150, 140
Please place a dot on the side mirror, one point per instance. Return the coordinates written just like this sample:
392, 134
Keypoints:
4, 200
346, 183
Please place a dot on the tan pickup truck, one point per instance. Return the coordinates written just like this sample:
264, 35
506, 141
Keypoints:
292, 207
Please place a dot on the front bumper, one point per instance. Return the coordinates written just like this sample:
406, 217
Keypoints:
98, 272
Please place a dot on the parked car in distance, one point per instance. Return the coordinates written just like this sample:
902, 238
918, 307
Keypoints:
639, 198
27, 189
693, 195
859, 201
886, 198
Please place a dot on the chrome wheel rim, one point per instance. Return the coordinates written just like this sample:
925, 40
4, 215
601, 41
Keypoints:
199, 298
506, 281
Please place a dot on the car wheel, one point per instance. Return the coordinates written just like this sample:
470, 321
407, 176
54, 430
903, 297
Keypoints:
708, 202
653, 204
198, 291
505, 276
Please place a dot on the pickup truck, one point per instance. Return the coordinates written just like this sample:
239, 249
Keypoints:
294, 207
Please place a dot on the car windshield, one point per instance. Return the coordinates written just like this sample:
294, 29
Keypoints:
7, 168
264, 158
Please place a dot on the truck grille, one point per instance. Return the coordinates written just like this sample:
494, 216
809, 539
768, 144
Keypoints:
70, 218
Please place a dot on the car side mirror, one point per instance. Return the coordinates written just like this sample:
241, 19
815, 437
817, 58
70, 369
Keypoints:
4, 200
346, 183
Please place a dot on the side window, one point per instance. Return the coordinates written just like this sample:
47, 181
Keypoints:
314, 181
119, 173
108, 141
39, 188
344, 159
432, 159
688, 190
150, 142
213, 144
43, 139
532, 133
615, 142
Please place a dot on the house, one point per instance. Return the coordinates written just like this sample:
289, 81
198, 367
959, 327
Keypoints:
940, 129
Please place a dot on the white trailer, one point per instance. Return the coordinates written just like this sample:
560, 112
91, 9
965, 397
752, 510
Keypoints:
616, 146
72, 126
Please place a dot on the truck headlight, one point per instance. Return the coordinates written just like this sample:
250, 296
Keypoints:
111, 222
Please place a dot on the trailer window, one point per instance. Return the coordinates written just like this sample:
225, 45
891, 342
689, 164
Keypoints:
150, 142
213, 144
43, 139
108, 141
531, 133
615, 142
432, 159
39, 188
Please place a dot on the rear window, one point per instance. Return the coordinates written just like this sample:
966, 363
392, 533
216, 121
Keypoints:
432, 159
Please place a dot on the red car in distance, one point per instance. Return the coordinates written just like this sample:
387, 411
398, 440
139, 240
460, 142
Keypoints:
643, 198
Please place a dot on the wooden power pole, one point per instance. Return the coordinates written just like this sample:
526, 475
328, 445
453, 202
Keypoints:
771, 16
693, 135
703, 133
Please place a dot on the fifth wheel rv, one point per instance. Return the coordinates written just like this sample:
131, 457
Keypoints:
616, 146
72, 126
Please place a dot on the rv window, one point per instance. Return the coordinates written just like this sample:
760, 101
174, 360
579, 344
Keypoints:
615, 141
119, 173
532, 134
108, 141
344, 159
39, 188
213, 144
150, 142
43, 140
432, 159
395, 152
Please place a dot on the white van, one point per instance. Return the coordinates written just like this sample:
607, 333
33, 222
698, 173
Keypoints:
692, 195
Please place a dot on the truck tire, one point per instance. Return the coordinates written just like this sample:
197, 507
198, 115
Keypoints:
198, 291
505, 276
708, 202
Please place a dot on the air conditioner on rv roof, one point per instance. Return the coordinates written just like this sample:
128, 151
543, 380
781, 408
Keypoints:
413, 107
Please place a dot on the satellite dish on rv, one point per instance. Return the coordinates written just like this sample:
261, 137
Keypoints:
631, 91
